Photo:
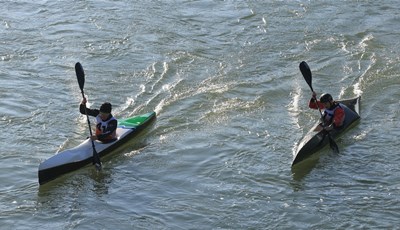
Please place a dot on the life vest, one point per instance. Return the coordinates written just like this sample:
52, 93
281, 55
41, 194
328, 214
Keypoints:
329, 113
101, 128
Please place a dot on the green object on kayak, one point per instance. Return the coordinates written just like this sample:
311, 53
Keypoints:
133, 121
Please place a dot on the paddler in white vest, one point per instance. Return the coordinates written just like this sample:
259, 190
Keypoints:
106, 124
333, 116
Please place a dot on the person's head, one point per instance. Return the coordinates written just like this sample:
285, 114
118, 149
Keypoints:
105, 110
326, 99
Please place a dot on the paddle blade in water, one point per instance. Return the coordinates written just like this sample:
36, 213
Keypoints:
306, 72
333, 144
96, 160
80, 75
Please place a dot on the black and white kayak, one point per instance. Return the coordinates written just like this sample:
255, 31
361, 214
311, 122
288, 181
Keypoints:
72, 159
314, 141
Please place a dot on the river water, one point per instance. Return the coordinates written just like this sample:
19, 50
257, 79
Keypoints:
231, 107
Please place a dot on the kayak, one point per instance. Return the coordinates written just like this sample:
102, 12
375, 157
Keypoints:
75, 158
314, 141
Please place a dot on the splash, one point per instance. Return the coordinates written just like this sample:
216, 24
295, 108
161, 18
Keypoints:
358, 86
160, 106
128, 103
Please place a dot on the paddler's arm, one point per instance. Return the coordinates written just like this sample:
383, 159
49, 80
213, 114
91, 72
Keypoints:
90, 112
338, 117
312, 104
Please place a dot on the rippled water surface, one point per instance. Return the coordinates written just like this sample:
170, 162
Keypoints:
231, 107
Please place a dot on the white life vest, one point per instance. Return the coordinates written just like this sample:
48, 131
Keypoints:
101, 127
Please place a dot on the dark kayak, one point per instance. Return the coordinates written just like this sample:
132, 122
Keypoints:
314, 141
72, 159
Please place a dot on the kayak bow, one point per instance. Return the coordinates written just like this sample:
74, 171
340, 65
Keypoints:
75, 158
314, 141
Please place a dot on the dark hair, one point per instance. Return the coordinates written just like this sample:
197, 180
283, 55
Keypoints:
326, 97
105, 107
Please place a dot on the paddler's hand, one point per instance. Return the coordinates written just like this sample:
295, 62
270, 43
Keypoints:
328, 128
94, 138
314, 95
84, 100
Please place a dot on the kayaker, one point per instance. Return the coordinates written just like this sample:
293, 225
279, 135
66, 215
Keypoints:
333, 116
106, 124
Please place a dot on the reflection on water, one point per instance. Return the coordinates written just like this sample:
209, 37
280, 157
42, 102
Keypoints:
303, 168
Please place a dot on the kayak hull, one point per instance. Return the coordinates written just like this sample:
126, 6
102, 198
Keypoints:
314, 141
75, 158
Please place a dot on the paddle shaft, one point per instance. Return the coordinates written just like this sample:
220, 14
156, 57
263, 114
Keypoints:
81, 81
319, 109
87, 118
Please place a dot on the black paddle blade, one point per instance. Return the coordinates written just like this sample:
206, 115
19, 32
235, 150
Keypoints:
80, 75
333, 144
96, 160
306, 72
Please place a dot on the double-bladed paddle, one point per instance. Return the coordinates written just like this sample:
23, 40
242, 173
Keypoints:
81, 81
306, 72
